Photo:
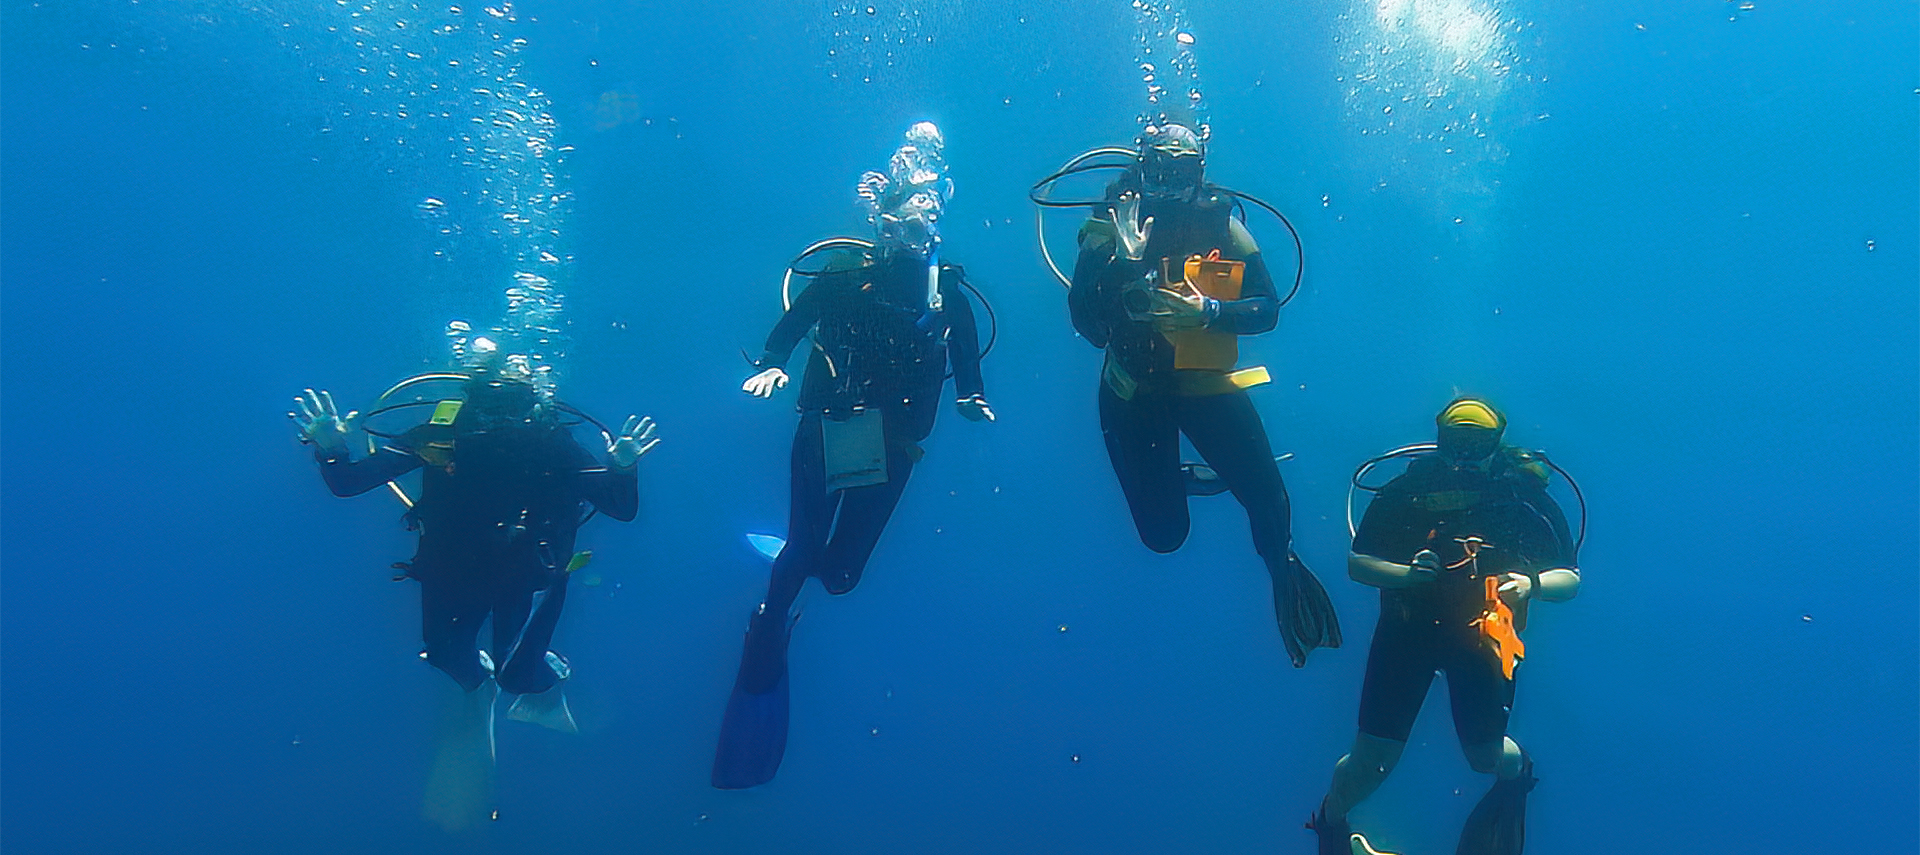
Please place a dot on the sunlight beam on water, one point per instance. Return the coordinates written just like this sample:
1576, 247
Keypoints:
1431, 82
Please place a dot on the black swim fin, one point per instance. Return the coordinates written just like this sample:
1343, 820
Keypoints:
1498, 824
753, 736
1304, 612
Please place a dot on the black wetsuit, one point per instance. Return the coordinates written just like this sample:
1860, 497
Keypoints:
1145, 403
878, 348
1429, 628
497, 515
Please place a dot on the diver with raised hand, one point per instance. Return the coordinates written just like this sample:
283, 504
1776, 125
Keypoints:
1459, 545
1166, 281
886, 318
504, 488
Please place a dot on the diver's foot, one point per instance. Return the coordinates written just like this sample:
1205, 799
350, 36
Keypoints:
547, 709
1335, 834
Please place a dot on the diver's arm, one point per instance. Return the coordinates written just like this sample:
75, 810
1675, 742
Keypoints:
348, 477
793, 325
963, 338
613, 490
1561, 582
1258, 308
1380, 573
1558, 585
1089, 301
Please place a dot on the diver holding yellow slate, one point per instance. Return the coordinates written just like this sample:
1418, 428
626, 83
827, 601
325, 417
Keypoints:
1459, 545
1166, 282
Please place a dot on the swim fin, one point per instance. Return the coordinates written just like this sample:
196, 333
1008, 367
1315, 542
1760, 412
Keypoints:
460, 785
1360, 846
1498, 824
753, 736
1204, 480
1306, 617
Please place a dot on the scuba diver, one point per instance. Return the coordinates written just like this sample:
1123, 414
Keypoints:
1459, 545
504, 489
1166, 281
887, 318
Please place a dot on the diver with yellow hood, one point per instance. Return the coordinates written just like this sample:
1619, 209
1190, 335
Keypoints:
1459, 546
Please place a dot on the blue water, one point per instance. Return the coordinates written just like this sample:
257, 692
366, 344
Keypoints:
1677, 242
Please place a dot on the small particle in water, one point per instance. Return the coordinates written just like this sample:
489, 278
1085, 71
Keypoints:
1326, 201
296, 739
700, 818
874, 732
431, 204
872, 11
1803, 619
496, 815
1075, 758
1870, 246
1183, 38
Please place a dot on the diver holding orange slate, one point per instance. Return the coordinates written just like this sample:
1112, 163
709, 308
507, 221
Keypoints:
1166, 282
1459, 545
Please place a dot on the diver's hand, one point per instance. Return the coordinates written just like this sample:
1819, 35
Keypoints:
635, 440
1126, 223
1517, 589
975, 408
1182, 308
871, 186
765, 383
320, 421
1425, 567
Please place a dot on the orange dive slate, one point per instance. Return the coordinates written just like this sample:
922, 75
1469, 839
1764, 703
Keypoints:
1210, 350
1496, 626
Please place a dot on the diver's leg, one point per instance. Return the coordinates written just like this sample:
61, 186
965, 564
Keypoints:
460, 782
763, 657
1482, 698
450, 617
810, 513
1143, 441
864, 512
524, 632
1227, 431
1399, 672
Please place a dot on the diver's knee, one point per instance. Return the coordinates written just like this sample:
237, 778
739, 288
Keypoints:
1163, 538
1502, 758
1374, 754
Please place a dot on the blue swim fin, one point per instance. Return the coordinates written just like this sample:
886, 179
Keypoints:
769, 546
753, 736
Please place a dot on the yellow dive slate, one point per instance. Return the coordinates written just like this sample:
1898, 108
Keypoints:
1496, 626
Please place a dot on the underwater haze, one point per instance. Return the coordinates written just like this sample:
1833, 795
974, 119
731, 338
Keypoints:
1677, 241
